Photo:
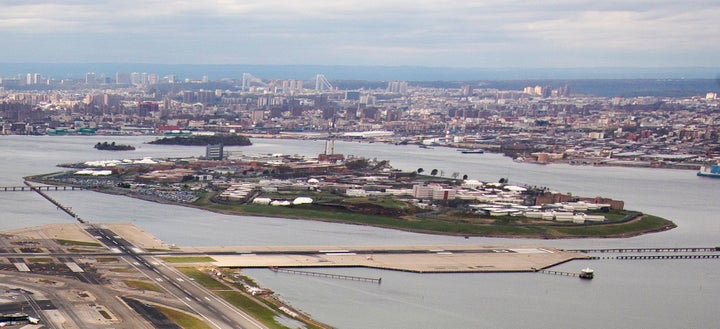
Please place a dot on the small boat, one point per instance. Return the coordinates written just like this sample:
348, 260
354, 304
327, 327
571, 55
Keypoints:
712, 171
587, 273
473, 151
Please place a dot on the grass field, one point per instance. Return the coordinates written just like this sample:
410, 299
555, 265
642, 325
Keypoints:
184, 320
76, 243
502, 227
141, 285
258, 311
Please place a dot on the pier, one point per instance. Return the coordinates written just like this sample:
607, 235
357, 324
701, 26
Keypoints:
326, 275
572, 274
60, 206
642, 257
646, 250
652, 253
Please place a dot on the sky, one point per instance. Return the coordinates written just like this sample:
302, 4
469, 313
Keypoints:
438, 33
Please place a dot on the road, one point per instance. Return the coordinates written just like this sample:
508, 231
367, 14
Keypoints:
214, 310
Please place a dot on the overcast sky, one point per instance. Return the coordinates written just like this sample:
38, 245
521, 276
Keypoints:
441, 33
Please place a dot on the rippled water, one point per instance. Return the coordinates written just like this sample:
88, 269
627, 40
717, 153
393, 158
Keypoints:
640, 294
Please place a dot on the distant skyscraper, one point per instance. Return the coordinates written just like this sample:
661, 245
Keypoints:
90, 78
122, 78
135, 78
397, 87
153, 79
246, 78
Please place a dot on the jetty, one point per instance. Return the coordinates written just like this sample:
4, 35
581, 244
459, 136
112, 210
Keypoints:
325, 275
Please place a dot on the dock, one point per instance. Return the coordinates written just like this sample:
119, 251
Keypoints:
563, 273
326, 275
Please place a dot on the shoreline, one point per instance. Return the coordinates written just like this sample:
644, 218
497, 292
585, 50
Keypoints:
495, 149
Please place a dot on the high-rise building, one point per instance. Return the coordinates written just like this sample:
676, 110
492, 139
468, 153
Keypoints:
122, 78
214, 152
258, 116
90, 78
397, 87
135, 78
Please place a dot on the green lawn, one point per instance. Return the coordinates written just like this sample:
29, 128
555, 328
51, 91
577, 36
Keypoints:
182, 319
239, 300
76, 243
259, 311
510, 227
204, 279
106, 259
141, 285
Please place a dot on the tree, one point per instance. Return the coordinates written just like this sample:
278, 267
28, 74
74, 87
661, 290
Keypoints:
434, 172
465, 177
420, 170
360, 163
455, 175
503, 180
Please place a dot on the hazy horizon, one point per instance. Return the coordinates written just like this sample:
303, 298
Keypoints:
358, 72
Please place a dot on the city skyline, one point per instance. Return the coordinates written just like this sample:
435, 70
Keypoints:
375, 33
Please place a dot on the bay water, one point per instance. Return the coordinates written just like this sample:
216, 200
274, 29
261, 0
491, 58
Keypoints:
624, 294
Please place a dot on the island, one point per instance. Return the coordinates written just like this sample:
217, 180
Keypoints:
105, 146
202, 140
361, 191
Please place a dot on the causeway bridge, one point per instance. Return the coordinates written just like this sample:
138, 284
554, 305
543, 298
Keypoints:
29, 188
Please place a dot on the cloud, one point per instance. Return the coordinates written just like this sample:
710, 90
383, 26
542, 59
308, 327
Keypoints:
419, 32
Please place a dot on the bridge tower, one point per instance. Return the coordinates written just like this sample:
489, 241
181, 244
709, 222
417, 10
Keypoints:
321, 83
248, 80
